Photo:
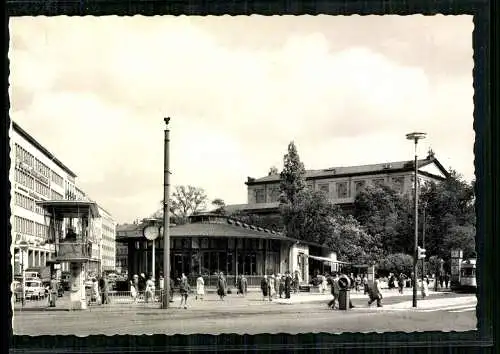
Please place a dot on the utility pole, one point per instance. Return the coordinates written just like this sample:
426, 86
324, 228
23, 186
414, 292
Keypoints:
166, 218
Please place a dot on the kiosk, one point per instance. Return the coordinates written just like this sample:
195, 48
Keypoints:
71, 228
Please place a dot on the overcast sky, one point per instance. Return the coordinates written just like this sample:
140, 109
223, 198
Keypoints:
94, 91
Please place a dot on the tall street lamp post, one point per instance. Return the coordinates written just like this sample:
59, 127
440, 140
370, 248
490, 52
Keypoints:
166, 218
23, 246
416, 136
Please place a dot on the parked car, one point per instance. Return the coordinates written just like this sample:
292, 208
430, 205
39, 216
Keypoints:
34, 289
17, 290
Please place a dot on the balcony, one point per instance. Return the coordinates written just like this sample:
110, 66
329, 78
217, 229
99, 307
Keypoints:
75, 252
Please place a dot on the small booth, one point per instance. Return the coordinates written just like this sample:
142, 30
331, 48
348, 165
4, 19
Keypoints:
71, 228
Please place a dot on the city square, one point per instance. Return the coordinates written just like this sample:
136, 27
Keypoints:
328, 214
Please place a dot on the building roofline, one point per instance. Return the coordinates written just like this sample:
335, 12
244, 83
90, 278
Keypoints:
40, 147
408, 167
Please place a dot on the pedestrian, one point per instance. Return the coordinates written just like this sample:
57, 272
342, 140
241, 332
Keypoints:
281, 288
103, 287
95, 296
288, 284
358, 283
277, 285
149, 290
271, 287
441, 281
365, 284
296, 282
184, 290
221, 286
401, 283
53, 291
244, 285
264, 287
446, 280
161, 283
324, 284
134, 287
238, 285
200, 288
375, 293
425, 288
335, 290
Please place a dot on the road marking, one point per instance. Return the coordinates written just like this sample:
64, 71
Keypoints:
448, 308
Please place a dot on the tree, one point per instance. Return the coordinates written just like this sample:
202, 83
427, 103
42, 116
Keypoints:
385, 214
450, 216
293, 194
310, 217
292, 177
220, 206
351, 242
273, 171
396, 263
185, 201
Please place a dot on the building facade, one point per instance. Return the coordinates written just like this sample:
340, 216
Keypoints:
342, 184
211, 243
37, 175
107, 227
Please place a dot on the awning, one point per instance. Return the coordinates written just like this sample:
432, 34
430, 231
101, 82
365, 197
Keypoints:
324, 259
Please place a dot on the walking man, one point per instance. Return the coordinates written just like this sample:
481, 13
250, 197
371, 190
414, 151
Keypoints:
375, 293
335, 290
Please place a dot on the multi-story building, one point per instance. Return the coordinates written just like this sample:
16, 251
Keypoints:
37, 175
342, 184
108, 244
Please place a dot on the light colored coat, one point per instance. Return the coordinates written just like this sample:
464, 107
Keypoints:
200, 286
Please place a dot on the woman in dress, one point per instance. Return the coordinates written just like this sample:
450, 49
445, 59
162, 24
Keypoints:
200, 288
221, 286
264, 286
149, 291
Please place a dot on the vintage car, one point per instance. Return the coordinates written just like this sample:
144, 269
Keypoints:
34, 289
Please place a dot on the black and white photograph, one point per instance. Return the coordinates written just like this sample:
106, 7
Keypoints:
306, 174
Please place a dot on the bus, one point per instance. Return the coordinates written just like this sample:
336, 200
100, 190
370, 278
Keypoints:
468, 275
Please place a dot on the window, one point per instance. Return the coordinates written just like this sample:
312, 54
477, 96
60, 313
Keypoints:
310, 185
260, 196
324, 187
342, 190
56, 179
398, 183
358, 186
55, 196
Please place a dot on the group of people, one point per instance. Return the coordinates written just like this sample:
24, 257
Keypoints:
374, 291
100, 290
280, 286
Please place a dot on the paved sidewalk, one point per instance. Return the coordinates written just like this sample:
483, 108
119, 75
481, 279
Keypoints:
307, 298
439, 303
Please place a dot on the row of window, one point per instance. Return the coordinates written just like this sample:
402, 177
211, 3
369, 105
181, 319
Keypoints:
30, 227
42, 189
24, 179
55, 195
342, 189
24, 201
26, 157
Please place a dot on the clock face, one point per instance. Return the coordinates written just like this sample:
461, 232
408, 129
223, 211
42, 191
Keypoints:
151, 232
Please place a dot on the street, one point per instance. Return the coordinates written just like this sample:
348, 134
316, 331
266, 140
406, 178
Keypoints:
251, 315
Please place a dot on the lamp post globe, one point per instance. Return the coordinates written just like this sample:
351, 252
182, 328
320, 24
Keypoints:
415, 136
